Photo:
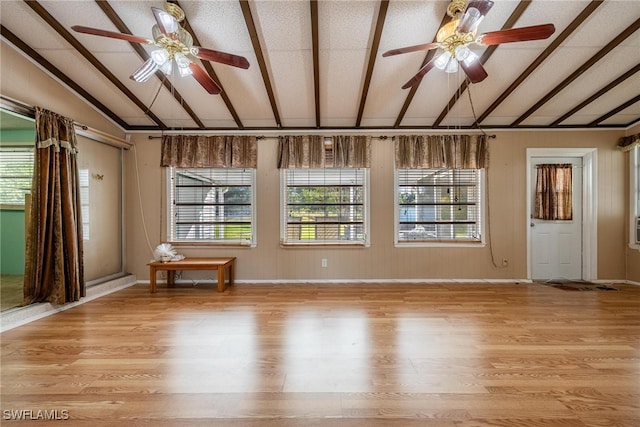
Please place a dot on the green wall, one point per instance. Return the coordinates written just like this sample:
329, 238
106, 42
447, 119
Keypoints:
12, 220
12, 241
17, 137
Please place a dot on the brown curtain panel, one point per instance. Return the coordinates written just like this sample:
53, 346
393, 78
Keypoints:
554, 195
441, 151
54, 270
301, 151
198, 151
352, 151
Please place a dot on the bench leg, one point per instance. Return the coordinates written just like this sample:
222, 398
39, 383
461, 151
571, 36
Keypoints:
152, 279
221, 284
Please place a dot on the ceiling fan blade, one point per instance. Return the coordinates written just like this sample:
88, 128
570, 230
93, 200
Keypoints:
203, 78
166, 22
113, 35
416, 48
522, 34
416, 79
473, 14
222, 57
474, 70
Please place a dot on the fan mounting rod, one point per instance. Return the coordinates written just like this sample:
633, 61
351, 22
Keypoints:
456, 7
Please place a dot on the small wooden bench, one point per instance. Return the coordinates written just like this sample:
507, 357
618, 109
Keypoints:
220, 264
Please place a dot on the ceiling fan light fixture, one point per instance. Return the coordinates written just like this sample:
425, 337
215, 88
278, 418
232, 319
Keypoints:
470, 59
185, 71
452, 66
462, 52
143, 73
182, 60
167, 68
160, 56
442, 60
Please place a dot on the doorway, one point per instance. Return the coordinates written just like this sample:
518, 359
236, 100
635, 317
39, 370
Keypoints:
564, 249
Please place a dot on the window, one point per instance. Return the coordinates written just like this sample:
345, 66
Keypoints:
325, 206
438, 205
16, 173
212, 205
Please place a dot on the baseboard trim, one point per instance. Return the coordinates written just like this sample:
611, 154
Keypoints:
336, 281
19, 316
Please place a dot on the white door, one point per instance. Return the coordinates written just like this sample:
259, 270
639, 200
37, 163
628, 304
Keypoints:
556, 246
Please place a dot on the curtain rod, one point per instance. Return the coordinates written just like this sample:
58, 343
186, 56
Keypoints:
383, 137
29, 111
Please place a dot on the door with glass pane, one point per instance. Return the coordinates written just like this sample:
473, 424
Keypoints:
556, 242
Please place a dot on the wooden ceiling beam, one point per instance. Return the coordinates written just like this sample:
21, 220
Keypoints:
412, 92
597, 95
373, 54
580, 70
615, 110
53, 70
316, 57
209, 69
586, 12
65, 34
257, 49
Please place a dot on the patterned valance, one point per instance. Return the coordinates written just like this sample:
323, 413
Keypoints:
441, 151
627, 143
310, 151
353, 151
301, 151
198, 151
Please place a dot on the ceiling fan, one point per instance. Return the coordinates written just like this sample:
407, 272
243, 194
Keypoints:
174, 44
455, 37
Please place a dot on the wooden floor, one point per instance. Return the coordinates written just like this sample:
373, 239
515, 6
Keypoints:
11, 291
450, 355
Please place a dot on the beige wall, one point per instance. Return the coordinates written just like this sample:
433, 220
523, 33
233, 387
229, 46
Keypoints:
508, 222
632, 255
22, 81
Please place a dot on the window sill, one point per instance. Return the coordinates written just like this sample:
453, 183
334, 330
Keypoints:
450, 244
196, 245
12, 207
634, 246
324, 245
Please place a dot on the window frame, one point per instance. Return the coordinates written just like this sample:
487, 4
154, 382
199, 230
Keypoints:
366, 221
482, 212
170, 226
19, 149
634, 195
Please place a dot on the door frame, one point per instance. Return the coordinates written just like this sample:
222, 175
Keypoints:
589, 205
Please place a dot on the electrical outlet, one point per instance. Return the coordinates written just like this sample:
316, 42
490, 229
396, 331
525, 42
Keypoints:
505, 262
324, 262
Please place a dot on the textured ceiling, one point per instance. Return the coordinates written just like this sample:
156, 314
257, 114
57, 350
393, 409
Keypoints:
319, 64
